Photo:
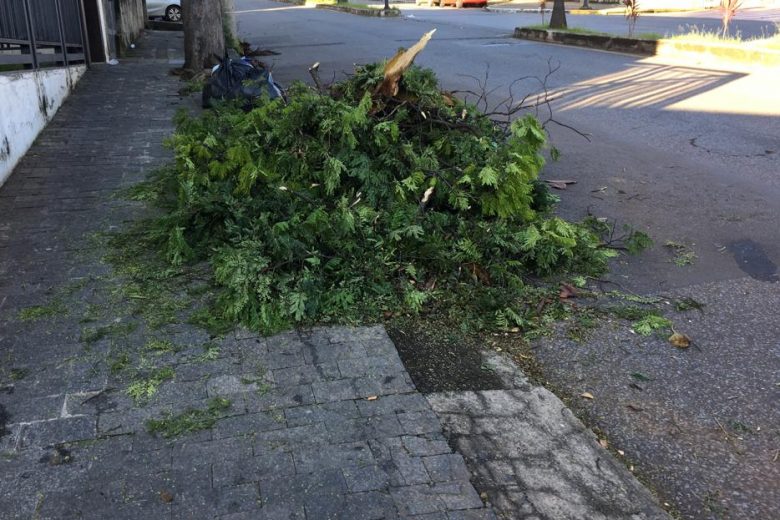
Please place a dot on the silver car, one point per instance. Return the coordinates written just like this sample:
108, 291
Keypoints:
168, 9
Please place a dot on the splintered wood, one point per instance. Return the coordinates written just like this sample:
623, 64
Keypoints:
395, 68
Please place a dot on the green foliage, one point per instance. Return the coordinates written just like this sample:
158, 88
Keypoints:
210, 353
687, 304
630, 312
17, 374
36, 312
161, 346
144, 388
682, 255
343, 206
119, 363
632, 240
153, 288
584, 321
189, 421
635, 298
92, 335
637, 241
650, 324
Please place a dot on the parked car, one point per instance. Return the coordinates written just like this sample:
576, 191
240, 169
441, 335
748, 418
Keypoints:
168, 9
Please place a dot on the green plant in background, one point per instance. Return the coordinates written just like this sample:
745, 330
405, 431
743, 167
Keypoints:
632, 15
728, 9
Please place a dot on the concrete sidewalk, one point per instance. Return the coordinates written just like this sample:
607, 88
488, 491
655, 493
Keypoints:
531, 6
315, 424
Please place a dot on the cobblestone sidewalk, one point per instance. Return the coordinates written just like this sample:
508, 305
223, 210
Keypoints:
324, 424
104, 416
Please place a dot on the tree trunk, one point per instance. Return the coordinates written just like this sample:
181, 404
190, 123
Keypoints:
558, 17
204, 35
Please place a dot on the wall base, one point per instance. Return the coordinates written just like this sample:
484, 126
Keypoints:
30, 100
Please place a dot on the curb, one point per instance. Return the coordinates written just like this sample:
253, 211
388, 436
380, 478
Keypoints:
615, 11
592, 41
381, 13
518, 10
601, 12
668, 48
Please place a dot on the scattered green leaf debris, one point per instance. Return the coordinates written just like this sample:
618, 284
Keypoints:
91, 335
189, 421
650, 324
161, 346
36, 312
144, 388
687, 304
682, 254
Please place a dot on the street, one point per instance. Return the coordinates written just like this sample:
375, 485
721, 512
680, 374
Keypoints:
666, 24
689, 154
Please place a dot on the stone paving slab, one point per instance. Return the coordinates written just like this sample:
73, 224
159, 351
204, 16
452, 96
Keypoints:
532, 458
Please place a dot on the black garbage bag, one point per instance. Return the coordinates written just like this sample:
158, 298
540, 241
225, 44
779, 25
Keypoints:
239, 79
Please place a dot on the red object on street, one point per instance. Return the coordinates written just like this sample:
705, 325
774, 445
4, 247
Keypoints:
443, 3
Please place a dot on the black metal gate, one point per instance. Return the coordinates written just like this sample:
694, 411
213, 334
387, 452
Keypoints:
41, 33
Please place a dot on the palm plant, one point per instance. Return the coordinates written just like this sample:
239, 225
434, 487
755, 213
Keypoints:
632, 13
728, 9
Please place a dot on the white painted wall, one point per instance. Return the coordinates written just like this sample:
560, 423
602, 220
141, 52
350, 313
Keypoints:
28, 101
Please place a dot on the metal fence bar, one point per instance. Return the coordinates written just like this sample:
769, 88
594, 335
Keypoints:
58, 6
30, 33
38, 32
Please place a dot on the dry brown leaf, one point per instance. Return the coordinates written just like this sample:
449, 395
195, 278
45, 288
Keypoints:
478, 272
567, 291
396, 67
586, 395
680, 340
371, 398
166, 497
604, 443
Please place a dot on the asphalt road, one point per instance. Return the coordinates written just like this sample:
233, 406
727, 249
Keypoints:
689, 154
665, 25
